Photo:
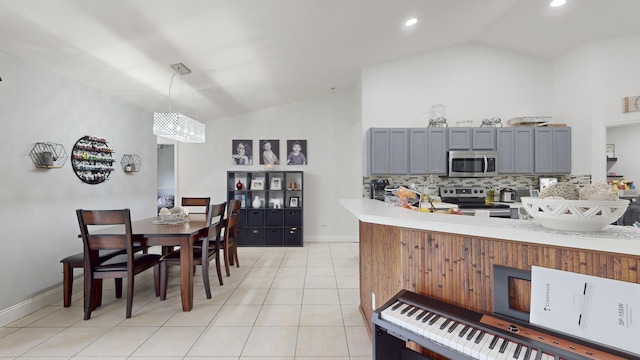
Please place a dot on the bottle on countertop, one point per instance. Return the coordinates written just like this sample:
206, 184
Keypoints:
490, 197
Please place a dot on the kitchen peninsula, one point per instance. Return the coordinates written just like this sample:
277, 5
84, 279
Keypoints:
451, 257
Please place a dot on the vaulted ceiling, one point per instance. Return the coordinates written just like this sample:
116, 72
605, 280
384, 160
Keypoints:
252, 54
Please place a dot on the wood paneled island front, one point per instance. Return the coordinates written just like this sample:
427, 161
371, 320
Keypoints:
451, 257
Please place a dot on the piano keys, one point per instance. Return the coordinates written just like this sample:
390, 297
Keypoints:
458, 333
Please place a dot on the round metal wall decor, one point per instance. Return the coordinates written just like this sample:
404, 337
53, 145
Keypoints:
92, 159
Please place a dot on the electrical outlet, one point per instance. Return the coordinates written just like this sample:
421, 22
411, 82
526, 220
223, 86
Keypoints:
373, 301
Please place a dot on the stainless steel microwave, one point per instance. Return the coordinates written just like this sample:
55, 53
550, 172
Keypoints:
473, 163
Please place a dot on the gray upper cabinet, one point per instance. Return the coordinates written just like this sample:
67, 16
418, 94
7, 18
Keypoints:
515, 150
388, 151
484, 138
552, 150
460, 139
428, 151
398, 151
378, 151
472, 138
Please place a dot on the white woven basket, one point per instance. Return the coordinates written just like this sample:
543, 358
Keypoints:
574, 215
173, 219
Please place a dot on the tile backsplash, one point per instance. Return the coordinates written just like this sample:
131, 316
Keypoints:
516, 182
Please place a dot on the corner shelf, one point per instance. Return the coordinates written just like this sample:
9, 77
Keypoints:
56, 160
130, 163
92, 159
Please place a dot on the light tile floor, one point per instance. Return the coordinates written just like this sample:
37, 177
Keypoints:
282, 303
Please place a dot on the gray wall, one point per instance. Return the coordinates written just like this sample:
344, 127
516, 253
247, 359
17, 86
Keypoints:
37, 216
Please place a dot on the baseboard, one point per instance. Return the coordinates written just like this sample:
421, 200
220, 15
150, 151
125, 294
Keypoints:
38, 302
331, 239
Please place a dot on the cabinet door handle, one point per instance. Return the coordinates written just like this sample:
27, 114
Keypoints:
486, 164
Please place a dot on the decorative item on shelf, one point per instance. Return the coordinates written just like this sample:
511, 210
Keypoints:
529, 121
175, 125
493, 122
131, 163
239, 185
48, 155
243, 200
293, 201
293, 186
92, 159
437, 117
256, 202
464, 123
275, 203
611, 151
257, 184
276, 183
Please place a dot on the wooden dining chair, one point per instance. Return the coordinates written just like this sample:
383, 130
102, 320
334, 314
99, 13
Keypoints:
203, 253
122, 266
202, 203
228, 240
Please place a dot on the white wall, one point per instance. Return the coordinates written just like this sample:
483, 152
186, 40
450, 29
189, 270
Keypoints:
39, 224
589, 86
626, 138
473, 81
332, 131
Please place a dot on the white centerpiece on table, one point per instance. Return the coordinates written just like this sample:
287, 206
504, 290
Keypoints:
175, 215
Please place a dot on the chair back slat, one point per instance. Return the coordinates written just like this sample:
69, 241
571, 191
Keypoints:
107, 242
104, 217
202, 203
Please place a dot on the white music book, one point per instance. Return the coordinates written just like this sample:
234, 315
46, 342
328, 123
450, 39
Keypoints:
593, 308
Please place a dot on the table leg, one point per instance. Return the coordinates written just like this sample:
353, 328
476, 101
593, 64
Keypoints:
186, 273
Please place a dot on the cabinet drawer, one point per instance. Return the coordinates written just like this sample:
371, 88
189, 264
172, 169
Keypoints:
256, 237
293, 217
241, 237
274, 236
255, 217
293, 236
275, 217
242, 218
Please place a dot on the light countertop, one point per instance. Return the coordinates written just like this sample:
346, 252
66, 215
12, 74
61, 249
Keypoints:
616, 239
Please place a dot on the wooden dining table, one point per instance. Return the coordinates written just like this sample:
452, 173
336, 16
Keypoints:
147, 232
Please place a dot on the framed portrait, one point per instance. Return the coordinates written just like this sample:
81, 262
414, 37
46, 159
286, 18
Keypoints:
257, 184
269, 152
297, 152
242, 152
276, 183
293, 201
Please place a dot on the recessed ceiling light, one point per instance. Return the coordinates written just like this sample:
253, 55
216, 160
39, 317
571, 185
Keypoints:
556, 3
411, 22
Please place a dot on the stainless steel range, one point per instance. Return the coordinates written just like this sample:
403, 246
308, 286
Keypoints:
470, 199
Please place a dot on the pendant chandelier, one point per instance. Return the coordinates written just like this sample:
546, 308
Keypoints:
176, 125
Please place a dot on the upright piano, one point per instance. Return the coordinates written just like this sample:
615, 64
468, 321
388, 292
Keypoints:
457, 333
